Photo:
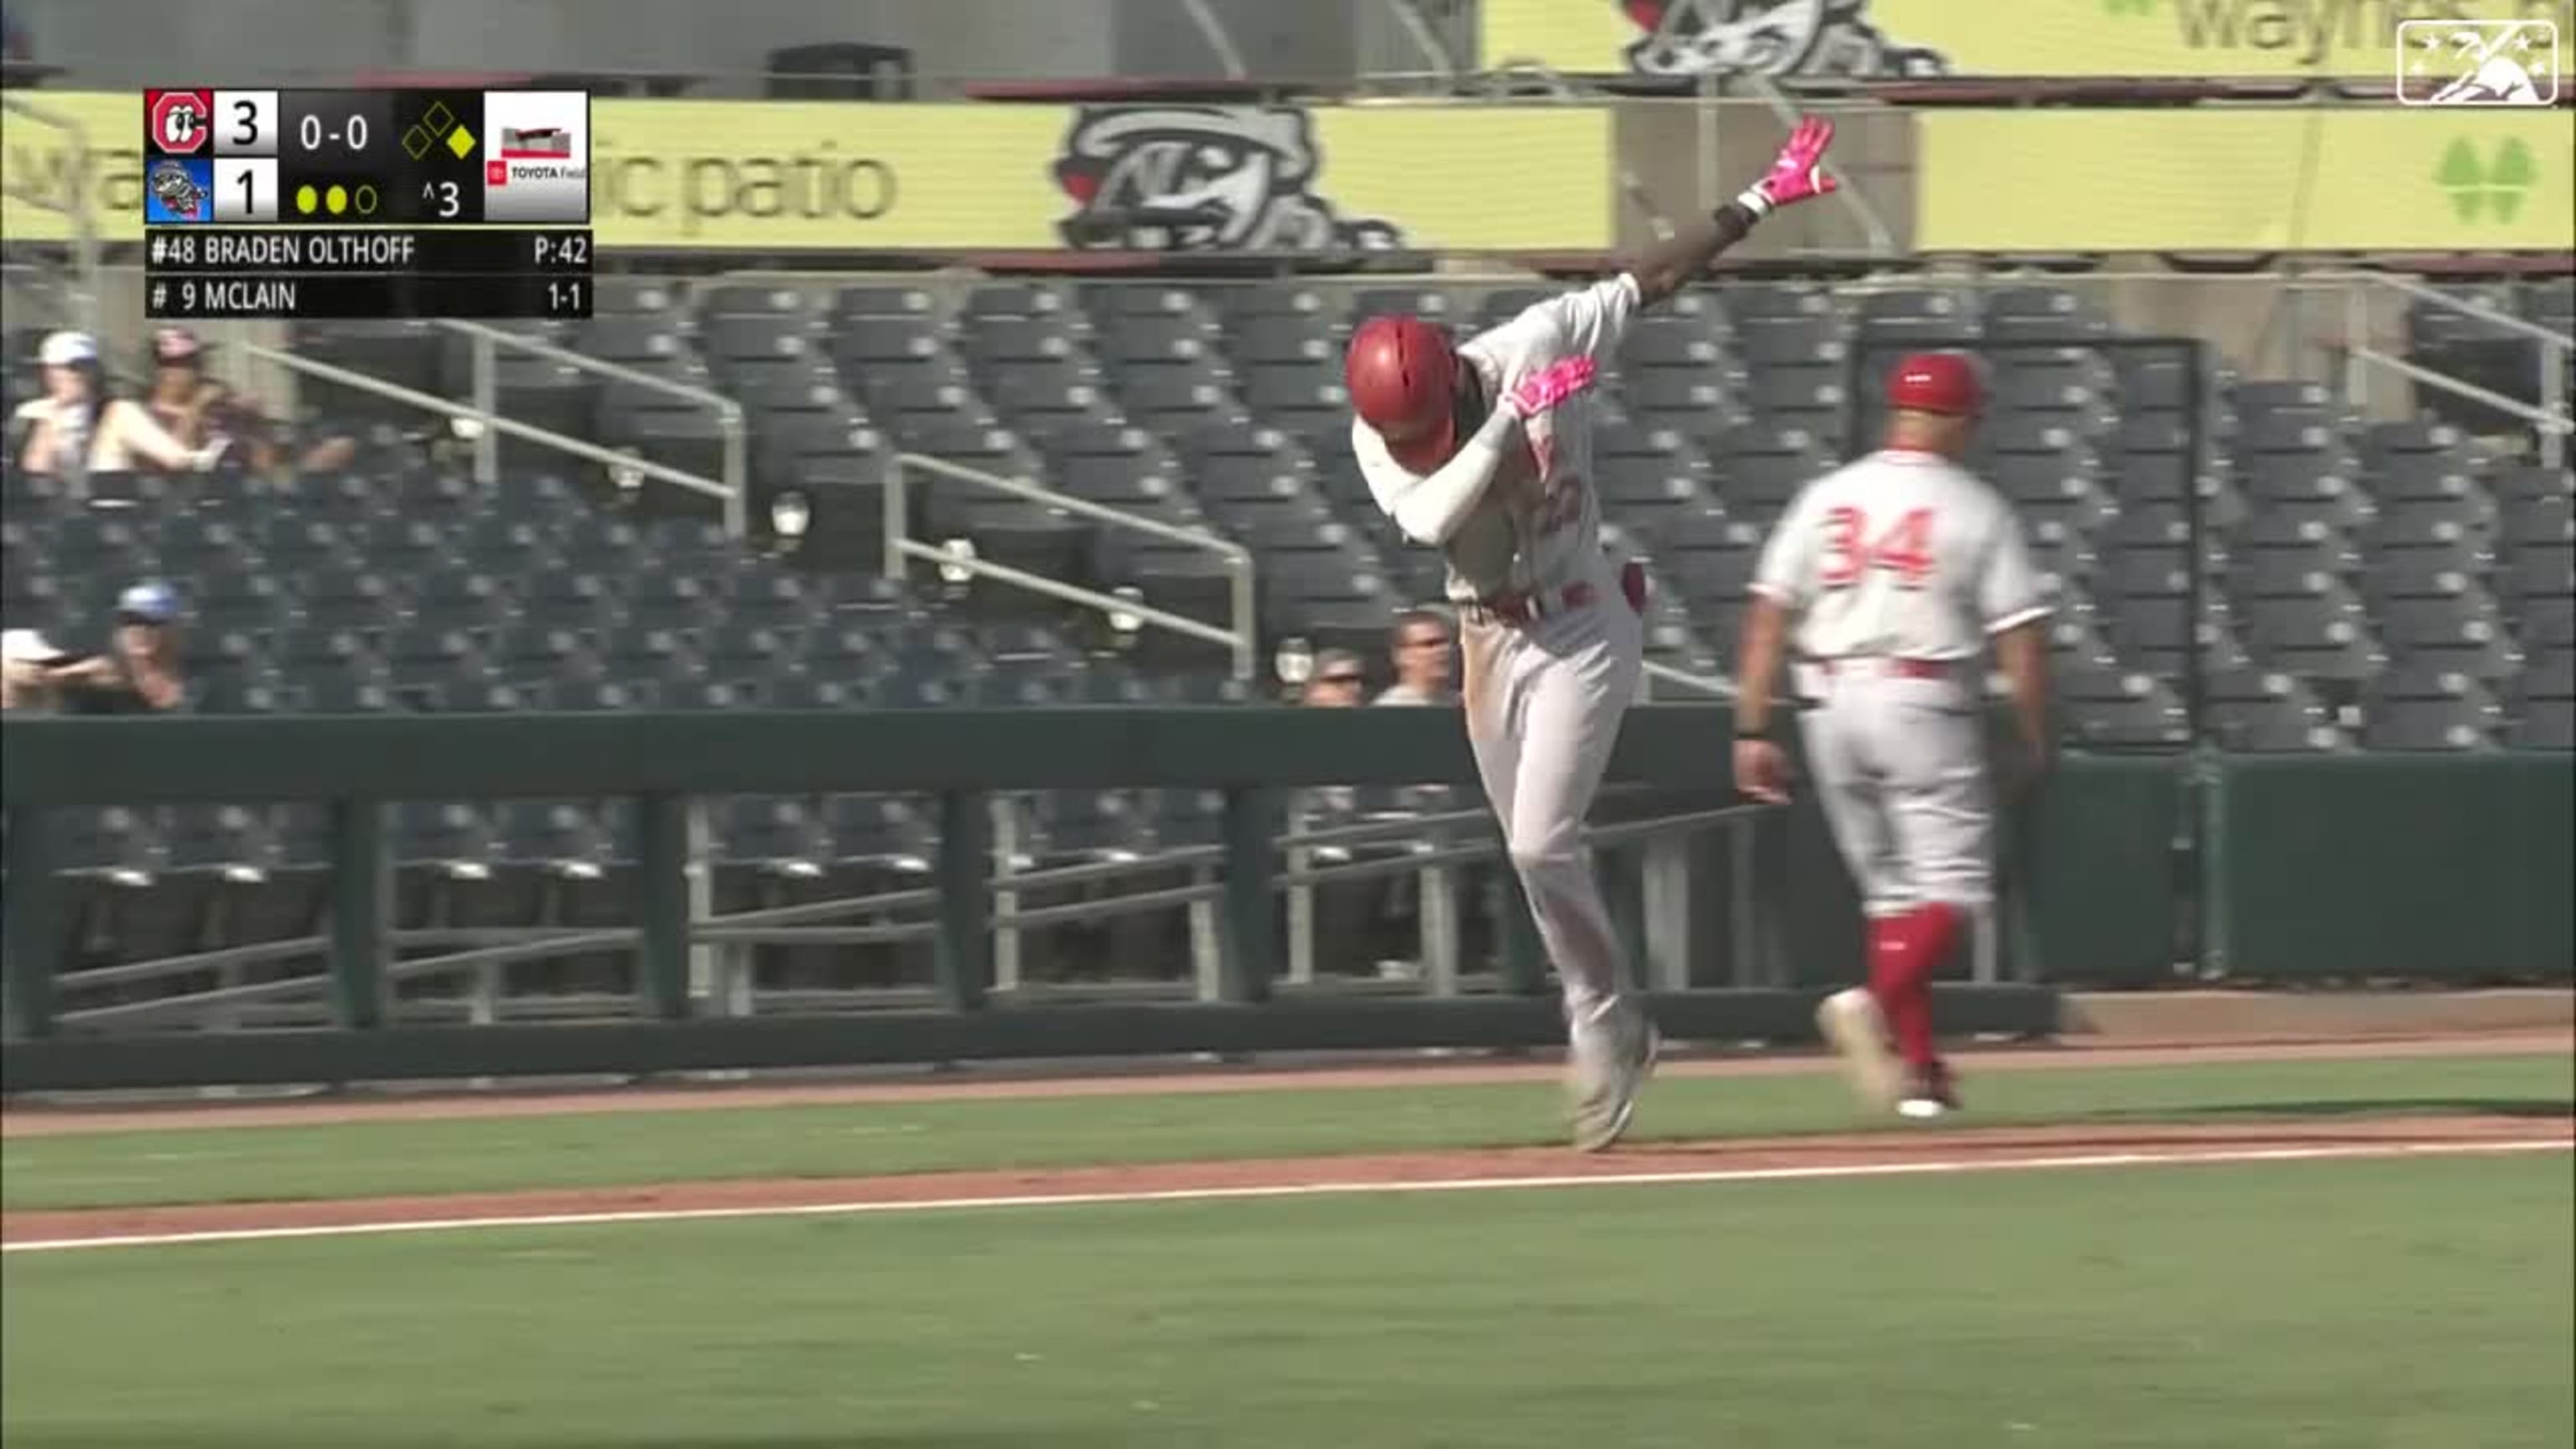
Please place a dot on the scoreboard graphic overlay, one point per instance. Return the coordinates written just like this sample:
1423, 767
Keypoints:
391, 204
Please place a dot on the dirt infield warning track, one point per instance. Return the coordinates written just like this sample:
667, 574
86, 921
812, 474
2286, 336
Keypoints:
1744, 1160
1716, 1161
1870, 1153
52, 1119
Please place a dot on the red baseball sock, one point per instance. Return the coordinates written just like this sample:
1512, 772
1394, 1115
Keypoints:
1904, 954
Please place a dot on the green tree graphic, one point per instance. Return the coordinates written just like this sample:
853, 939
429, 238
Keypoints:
2481, 191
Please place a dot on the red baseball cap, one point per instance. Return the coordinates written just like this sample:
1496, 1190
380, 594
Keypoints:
1402, 373
1952, 384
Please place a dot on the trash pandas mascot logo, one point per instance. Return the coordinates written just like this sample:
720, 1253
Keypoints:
1202, 178
177, 190
1769, 37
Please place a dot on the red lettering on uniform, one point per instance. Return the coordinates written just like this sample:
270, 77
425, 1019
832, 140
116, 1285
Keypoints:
1904, 550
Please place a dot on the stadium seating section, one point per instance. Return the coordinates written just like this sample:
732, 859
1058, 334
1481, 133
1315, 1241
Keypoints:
2368, 585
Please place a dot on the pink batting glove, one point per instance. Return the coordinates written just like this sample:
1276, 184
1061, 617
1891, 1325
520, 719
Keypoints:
1799, 173
1542, 390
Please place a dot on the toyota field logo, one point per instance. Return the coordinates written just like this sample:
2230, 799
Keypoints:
1202, 178
1769, 37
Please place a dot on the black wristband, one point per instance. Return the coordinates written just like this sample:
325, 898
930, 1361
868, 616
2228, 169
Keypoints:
1742, 733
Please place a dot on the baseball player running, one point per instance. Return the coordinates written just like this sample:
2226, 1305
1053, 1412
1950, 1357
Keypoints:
1889, 574
1480, 449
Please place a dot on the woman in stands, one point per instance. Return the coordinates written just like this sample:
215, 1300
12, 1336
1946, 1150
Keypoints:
198, 410
78, 428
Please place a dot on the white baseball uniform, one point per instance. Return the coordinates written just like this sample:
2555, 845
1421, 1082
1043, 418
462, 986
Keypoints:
1550, 646
1896, 569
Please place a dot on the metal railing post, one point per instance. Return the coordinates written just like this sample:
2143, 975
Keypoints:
1667, 912
710, 962
1006, 902
1207, 949
1437, 917
1247, 664
2553, 401
895, 503
487, 398
737, 466
1301, 901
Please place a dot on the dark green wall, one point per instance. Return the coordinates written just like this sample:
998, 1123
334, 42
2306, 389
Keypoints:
2457, 869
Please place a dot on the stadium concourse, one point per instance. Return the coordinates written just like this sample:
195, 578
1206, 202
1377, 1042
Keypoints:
2370, 585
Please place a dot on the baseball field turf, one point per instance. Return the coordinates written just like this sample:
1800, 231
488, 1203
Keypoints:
2335, 1277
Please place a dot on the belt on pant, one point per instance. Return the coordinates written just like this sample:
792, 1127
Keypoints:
1529, 606
1893, 666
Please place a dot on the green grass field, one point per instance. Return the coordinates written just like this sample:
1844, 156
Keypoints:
2417, 1304
354, 1159
2400, 1305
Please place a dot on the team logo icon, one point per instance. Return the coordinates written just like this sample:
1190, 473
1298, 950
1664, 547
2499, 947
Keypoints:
1202, 178
180, 121
2477, 63
177, 191
1771, 38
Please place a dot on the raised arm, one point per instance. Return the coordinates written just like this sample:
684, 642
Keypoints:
1797, 174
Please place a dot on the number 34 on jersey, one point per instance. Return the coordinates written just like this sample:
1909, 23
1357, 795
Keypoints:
1857, 546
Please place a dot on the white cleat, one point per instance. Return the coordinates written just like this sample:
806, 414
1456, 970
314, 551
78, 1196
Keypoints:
1612, 1058
1857, 1031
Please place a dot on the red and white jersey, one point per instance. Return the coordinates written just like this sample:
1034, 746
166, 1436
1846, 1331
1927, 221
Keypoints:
1538, 526
1902, 555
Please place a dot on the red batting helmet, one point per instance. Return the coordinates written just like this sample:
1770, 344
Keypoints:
1403, 373
1949, 383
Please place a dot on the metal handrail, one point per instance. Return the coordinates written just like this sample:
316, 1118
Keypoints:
782, 925
900, 545
729, 414
1213, 31
1714, 685
2464, 305
74, 205
412, 397
2555, 423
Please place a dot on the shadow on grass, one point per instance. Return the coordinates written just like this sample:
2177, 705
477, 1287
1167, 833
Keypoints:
568, 1440
2531, 1107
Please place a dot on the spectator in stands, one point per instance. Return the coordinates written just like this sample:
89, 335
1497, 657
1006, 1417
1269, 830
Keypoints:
27, 662
139, 673
1338, 681
78, 428
1422, 651
198, 410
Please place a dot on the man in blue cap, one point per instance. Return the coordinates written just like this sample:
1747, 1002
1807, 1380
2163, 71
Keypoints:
139, 673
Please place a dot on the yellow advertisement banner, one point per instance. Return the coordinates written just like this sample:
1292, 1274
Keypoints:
2147, 39
2239, 180
777, 176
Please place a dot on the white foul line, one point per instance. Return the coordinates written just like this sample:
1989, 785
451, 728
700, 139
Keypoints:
1936, 1167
